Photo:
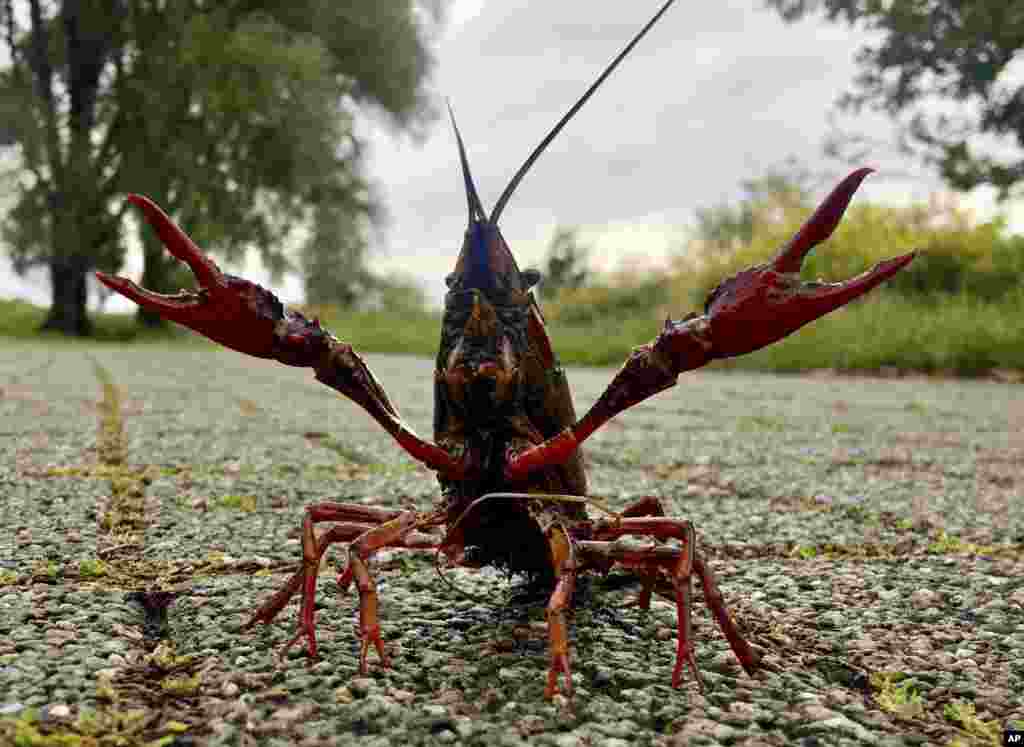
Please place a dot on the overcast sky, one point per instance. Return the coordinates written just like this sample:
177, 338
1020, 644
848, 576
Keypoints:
717, 93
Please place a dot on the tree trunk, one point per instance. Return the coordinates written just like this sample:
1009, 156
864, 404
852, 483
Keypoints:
69, 292
155, 271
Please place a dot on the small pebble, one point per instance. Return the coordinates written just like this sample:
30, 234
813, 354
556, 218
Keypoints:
924, 598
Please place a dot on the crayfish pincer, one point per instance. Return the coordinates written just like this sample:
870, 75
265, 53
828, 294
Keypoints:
506, 446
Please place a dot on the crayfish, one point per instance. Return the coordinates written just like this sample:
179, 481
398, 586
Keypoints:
506, 445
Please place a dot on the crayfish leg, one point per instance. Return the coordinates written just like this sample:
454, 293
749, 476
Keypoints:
749, 659
564, 563
677, 562
367, 529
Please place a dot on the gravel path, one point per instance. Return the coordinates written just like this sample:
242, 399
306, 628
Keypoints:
868, 536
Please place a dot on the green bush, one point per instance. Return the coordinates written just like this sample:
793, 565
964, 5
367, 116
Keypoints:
956, 255
608, 301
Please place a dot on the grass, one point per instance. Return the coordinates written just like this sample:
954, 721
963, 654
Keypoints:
955, 334
958, 334
22, 320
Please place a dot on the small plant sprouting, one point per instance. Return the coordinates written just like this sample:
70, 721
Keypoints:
92, 568
896, 694
962, 714
761, 423
951, 544
46, 569
245, 503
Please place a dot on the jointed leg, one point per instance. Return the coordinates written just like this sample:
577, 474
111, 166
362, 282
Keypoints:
394, 533
389, 528
647, 505
564, 562
679, 563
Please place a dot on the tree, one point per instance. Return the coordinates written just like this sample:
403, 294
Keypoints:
943, 65
565, 263
238, 117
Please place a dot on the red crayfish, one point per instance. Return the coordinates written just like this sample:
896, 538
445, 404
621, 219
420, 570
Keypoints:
506, 445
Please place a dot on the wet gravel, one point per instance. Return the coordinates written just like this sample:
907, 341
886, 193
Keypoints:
857, 527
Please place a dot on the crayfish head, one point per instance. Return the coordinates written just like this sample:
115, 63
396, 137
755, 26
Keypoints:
485, 326
479, 357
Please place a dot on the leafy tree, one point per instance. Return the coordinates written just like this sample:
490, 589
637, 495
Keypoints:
565, 263
236, 116
945, 65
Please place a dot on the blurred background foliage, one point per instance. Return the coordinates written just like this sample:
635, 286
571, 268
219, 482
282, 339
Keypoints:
959, 307
958, 255
239, 118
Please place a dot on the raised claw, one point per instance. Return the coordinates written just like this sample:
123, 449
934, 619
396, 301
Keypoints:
227, 309
177, 241
759, 306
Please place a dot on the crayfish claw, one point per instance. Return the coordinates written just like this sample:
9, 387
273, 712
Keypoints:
161, 302
830, 296
820, 225
763, 304
177, 241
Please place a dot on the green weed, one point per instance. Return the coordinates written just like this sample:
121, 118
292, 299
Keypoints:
8, 578
962, 714
760, 423
896, 695
92, 568
245, 503
952, 545
48, 569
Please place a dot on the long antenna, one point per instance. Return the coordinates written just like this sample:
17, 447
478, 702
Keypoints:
471, 196
500, 205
